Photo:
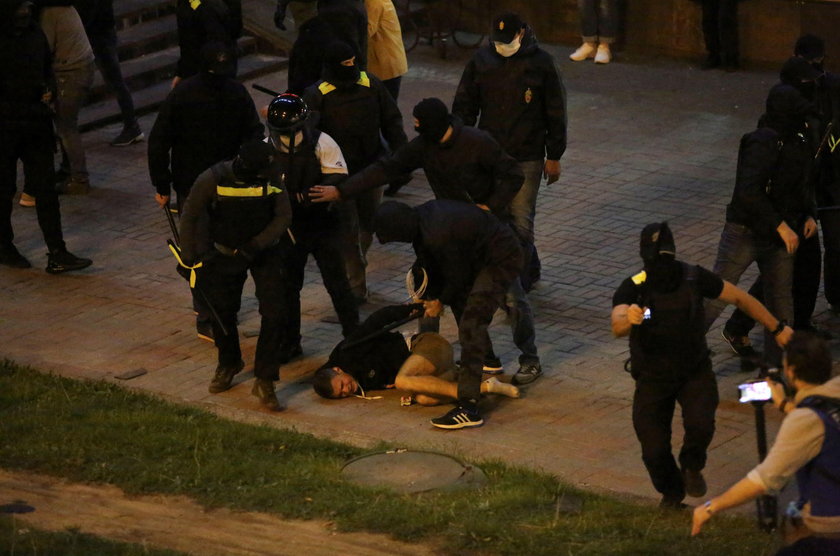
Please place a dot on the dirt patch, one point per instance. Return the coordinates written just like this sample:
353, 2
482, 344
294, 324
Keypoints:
178, 523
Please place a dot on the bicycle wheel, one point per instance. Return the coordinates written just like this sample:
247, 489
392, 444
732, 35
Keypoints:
410, 31
470, 32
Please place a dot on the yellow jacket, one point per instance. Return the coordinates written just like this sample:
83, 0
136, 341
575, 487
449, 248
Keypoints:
386, 54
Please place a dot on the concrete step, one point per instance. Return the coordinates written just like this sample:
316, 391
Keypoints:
149, 98
132, 12
147, 37
142, 72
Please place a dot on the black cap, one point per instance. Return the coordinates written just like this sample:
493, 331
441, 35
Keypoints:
254, 157
809, 47
505, 27
656, 240
218, 59
797, 70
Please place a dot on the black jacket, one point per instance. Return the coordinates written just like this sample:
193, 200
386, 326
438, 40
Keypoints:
827, 177
456, 240
26, 73
343, 21
772, 183
376, 362
520, 100
97, 17
203, 21
355, 116
202, 121
470, 167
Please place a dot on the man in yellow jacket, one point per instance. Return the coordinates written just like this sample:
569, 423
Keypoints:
386, 53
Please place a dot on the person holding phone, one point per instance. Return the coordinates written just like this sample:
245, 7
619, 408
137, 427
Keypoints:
661, 310
808, 446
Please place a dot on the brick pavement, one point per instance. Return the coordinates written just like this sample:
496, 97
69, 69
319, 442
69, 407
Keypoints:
649, 140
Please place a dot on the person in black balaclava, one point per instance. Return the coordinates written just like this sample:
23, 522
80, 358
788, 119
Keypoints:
27, 88
461, 164
201, 22
233, 221
356, 110
471, 258
661, 310
772, 211
203, 121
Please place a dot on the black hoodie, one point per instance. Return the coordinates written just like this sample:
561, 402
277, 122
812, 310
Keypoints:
519, 100
26, 68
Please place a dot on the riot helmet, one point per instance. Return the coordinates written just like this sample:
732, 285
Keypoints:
287, 114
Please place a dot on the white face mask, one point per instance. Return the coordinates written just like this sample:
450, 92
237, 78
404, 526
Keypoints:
508, 49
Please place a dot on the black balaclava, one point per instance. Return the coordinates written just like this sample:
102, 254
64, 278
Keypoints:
253, 160
812, 48
334, 71
16, 16
787, 110
395, 221
657, 249
433, 119
800, 74
217, 62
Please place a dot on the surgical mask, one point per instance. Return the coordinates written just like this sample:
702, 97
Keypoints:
508, 49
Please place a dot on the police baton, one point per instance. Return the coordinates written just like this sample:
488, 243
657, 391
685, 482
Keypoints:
383, 330
824, 140
265, 90
175, 246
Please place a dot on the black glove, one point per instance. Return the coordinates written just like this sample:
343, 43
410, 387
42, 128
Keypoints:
183, 271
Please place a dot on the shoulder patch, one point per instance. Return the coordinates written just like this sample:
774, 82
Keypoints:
639, 278
326, 87
194, 4
364, 80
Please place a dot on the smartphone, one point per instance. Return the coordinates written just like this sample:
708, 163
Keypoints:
646, 315
755, 391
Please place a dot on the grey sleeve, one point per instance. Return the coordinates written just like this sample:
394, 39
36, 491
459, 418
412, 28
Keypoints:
195, 224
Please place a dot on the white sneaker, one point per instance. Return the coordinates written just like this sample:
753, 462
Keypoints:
586, 50
604, 55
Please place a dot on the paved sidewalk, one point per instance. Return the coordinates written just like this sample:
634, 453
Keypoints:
649, 140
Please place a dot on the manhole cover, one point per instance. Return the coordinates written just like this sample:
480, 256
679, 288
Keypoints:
409, 472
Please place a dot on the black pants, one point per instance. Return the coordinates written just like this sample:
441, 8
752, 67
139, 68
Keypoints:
221, 279
105, 51
830, 222
653, 412
720, 30
325, 246
474, 315
806, 286
32, 142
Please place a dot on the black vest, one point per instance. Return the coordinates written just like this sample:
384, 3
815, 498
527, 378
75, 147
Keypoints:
241, 210
671, 344
297, 174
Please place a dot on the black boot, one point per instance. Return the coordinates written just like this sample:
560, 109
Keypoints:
65, 261
10, 256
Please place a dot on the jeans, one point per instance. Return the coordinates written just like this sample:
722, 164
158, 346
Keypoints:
653, 411
73, 88
357, 234
598, 20
32, 143
105, 50
222, 279
738, 248
720, 30
523, 211
806, 285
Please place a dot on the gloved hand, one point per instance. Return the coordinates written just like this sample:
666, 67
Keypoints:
279, 16
183, 271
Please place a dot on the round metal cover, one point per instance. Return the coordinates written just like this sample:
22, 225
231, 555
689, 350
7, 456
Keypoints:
408, 472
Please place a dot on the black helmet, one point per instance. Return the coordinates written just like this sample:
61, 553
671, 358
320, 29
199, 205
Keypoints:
286, 114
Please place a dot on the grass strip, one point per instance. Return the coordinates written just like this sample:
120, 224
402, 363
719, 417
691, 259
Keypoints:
23, 540
97, 432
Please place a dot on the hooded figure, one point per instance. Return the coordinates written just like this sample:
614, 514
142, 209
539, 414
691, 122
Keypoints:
339, 67
800, 74
432, 119
657, 249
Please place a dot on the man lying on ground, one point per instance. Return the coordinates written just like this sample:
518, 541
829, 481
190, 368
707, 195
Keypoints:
375, 358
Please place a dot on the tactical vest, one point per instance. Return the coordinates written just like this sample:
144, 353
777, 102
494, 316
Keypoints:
671, 344
241, 210
819, 480
297, 174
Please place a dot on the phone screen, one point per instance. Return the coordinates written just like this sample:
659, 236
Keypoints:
647, 313
754, 391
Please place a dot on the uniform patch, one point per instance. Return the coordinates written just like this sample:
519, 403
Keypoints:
528, 96
194, 4
639, 278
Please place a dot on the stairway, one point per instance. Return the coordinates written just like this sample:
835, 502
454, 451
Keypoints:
148, 50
